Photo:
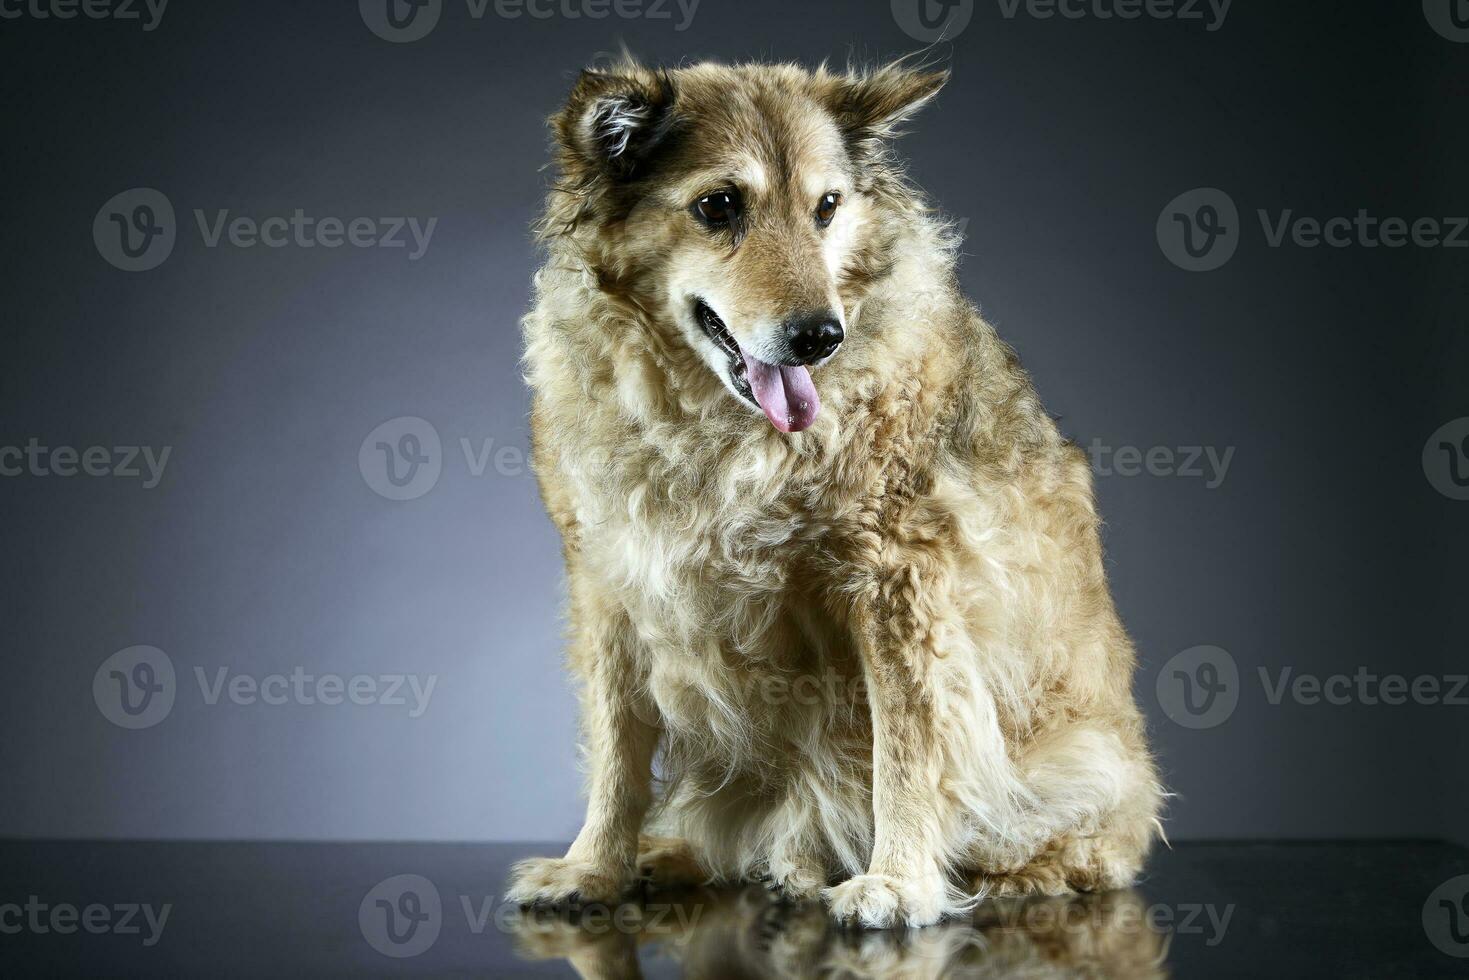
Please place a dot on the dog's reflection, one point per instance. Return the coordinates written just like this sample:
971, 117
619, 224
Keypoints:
732, 934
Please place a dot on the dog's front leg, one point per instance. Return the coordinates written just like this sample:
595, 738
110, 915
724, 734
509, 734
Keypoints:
906, 883
619, 745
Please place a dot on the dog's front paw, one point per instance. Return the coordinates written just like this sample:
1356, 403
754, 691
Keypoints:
789, 881
883, 901
665, 862
559, 883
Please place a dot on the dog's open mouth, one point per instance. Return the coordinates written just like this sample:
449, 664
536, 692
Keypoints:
785, 393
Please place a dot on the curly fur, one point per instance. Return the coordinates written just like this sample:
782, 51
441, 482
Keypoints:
879, 655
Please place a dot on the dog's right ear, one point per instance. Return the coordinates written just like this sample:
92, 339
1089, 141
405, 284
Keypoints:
613, 120
871, 106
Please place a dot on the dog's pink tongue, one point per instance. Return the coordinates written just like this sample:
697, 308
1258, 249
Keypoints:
785, 393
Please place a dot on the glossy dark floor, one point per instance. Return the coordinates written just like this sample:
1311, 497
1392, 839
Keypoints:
277, 910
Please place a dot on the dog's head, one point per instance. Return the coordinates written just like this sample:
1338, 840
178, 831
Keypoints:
740, 209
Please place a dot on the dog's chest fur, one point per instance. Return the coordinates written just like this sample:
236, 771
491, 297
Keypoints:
725, 586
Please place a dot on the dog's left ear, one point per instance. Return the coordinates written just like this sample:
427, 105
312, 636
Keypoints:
613, 119
871, 107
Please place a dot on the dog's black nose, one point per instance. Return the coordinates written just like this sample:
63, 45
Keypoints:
814, 336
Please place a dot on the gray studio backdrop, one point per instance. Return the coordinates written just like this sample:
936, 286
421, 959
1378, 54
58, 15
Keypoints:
275, 567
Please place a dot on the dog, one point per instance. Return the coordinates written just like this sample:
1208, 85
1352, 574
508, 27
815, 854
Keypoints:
832, 570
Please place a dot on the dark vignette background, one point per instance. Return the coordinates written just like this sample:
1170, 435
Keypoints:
1059, 143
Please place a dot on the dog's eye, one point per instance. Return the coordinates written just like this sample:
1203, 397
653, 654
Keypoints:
719, 209
827, 209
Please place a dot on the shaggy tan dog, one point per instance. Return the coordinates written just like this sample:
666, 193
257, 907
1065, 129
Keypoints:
830, 561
